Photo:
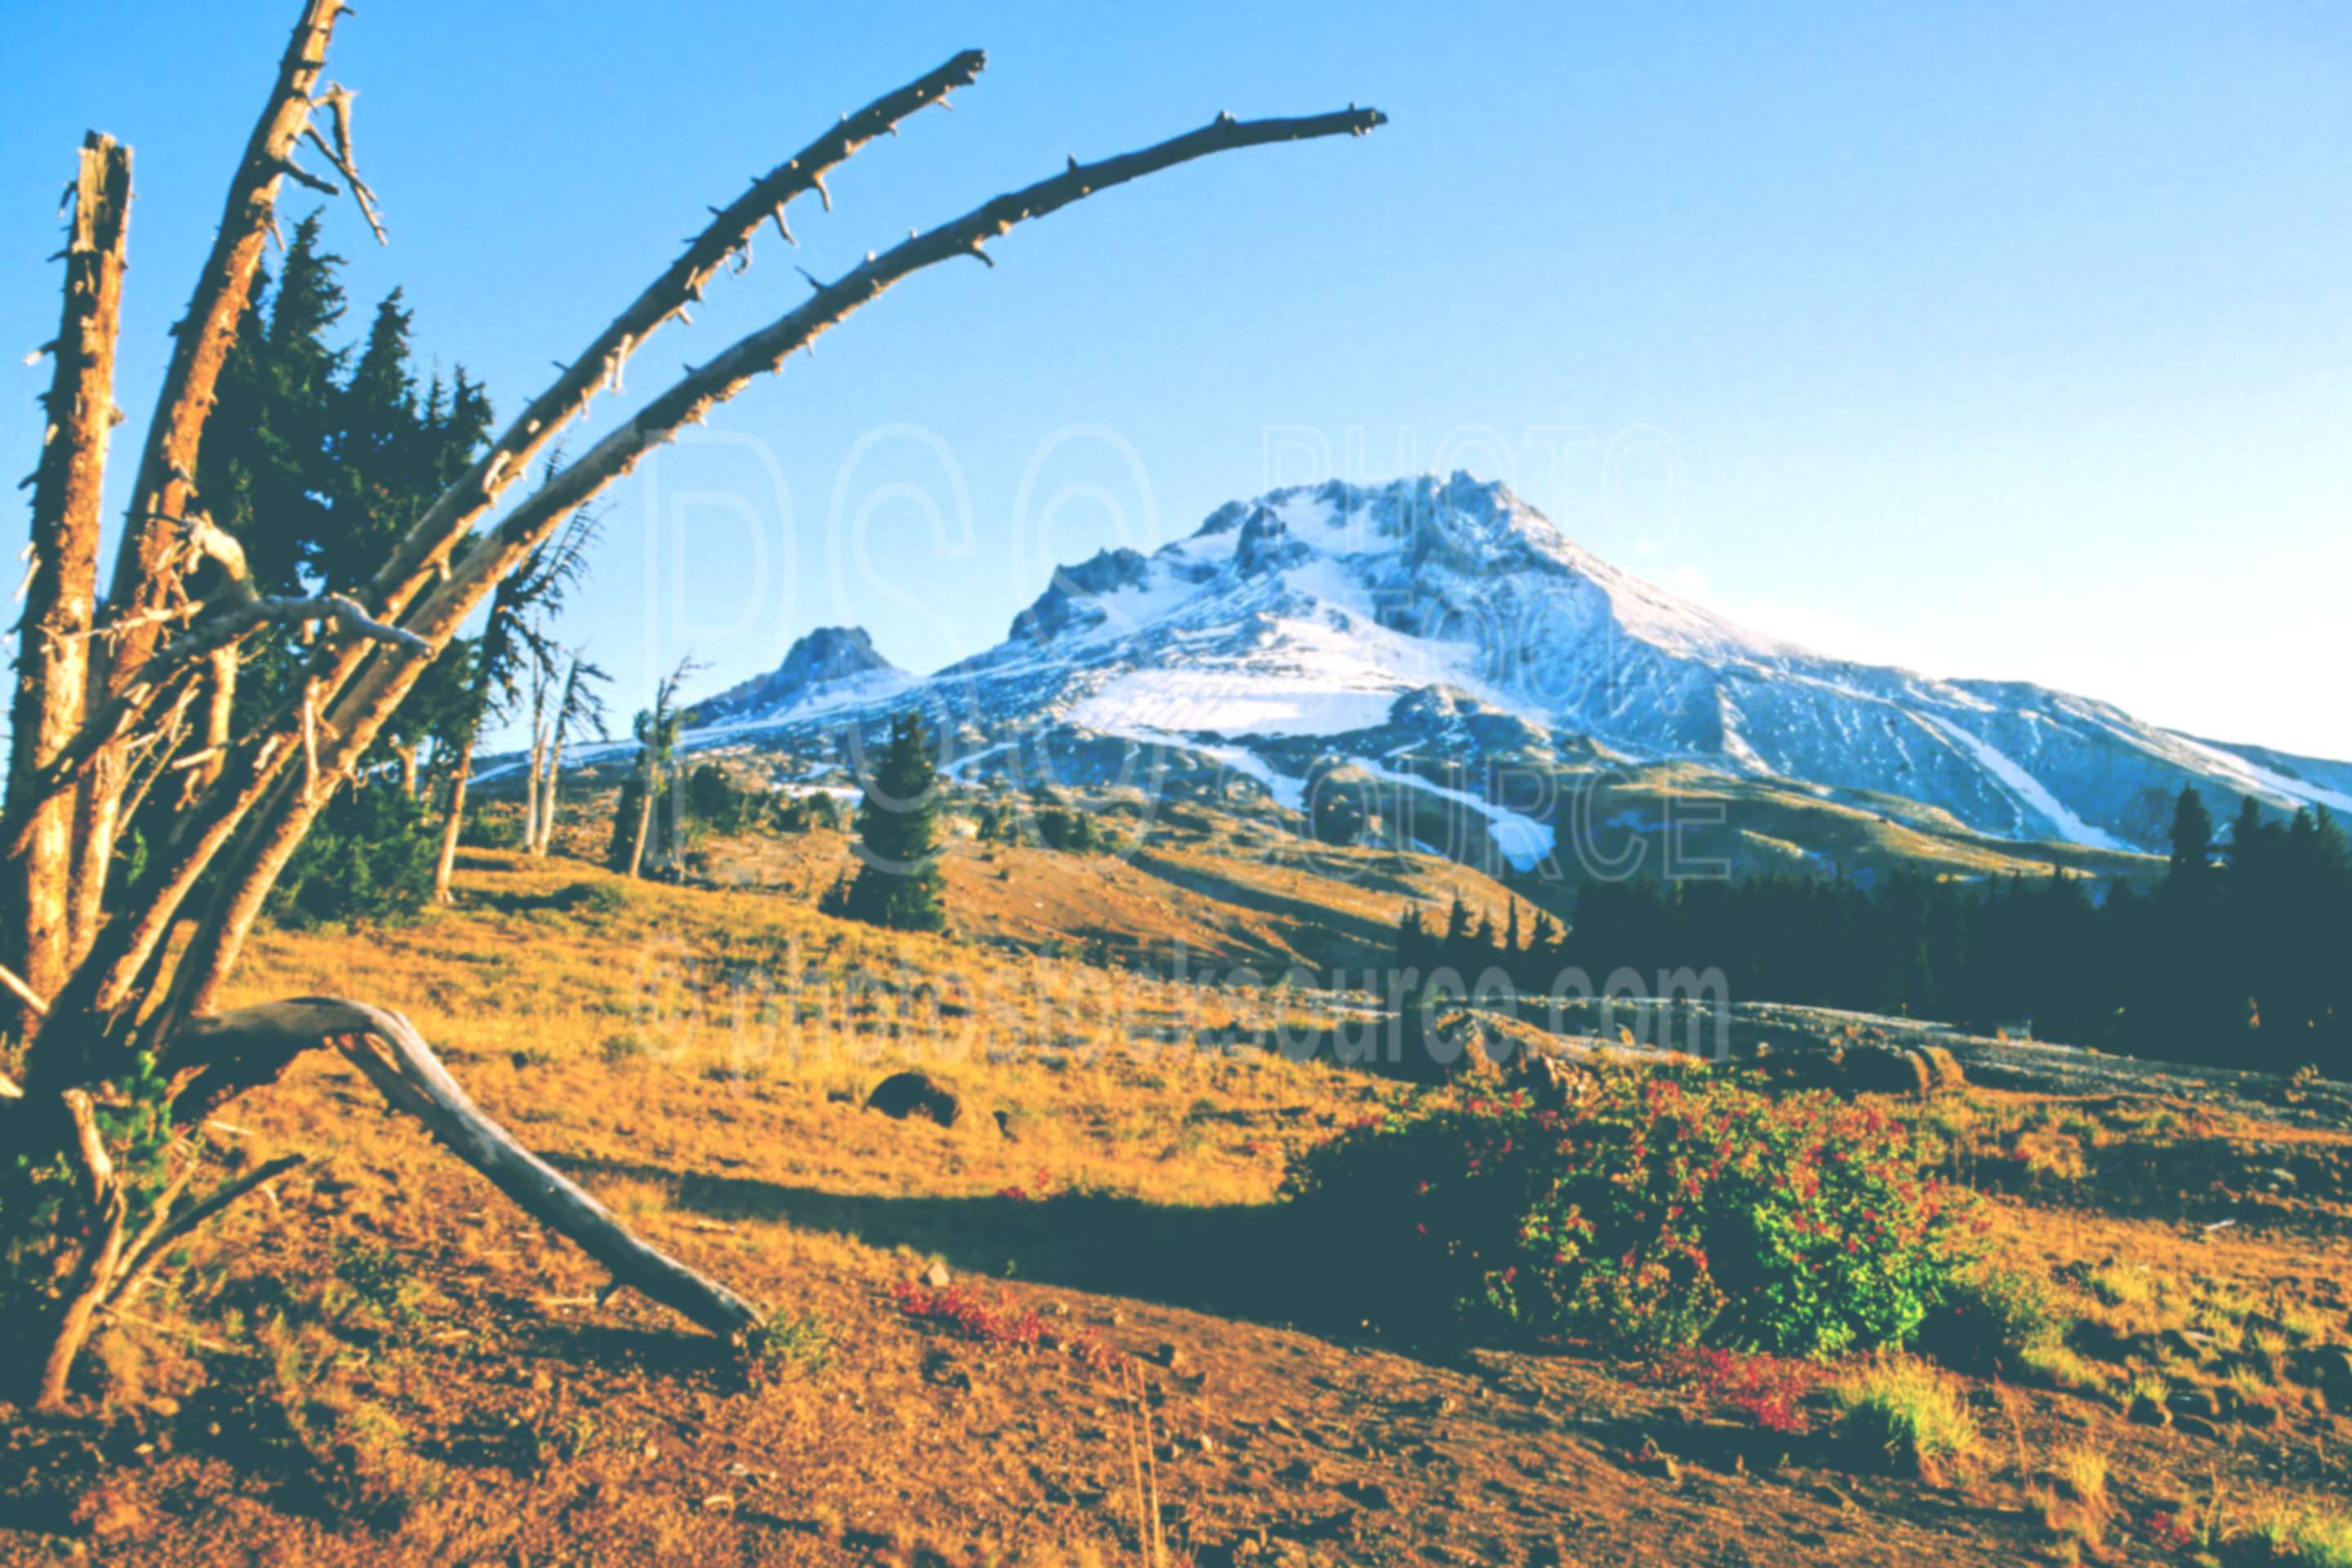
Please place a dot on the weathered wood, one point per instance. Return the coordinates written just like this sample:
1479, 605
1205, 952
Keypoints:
461, 770
387, 1048
48, 704
148, 565
598, 366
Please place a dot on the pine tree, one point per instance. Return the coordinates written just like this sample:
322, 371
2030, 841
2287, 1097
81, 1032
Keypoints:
898, 881
1412, 941
2192, 841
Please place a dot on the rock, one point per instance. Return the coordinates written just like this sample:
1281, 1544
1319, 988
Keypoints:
1882, 1070
1653, 1460
2146, 1412
905, 1094
937, 1276
2328, 1368
1370, 1494
2194, 1426
1169, 1355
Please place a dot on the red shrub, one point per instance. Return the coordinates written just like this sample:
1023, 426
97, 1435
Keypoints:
963, 1308
1764, 1388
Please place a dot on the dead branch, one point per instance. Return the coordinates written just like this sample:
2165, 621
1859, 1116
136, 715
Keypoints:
410, 567
14, 986
222, 628
101, 1250
337, 101
255, 1044
139, 1259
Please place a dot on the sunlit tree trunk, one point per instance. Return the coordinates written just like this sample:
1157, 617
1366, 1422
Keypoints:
461, 769
48, 704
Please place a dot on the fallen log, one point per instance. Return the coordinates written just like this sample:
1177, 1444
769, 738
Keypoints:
253, 1042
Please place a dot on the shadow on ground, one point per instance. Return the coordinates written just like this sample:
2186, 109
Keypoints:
1233, 1260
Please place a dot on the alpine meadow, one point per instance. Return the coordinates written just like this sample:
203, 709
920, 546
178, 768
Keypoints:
1589, 820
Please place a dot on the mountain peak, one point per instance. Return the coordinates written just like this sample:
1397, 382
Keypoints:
828, 662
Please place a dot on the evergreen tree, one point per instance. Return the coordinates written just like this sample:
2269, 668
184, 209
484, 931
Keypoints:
2192, 840
898, 881
1454, 947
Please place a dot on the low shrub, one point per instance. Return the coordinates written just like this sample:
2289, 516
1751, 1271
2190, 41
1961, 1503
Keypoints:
782, 1345
1909, 1409
1658, 1213
371, 857
2307, 1535
1993, 1317
963, 1308
1765, 1389
592, 899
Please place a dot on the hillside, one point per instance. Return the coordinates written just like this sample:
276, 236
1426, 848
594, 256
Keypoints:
385, 1359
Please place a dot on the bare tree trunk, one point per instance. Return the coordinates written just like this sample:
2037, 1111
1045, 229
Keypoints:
147, 579
461, 769
530, 784
406, 752
644, 824
102, 1253
545, 837
49, 700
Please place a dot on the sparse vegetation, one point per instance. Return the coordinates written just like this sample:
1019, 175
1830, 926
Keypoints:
1909, 1410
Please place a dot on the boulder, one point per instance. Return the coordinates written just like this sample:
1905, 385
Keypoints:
1882, 1070
905, 1094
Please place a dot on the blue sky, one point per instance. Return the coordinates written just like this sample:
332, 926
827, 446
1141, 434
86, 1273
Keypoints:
2008, 341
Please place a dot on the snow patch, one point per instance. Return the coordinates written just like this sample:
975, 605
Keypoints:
2027, 789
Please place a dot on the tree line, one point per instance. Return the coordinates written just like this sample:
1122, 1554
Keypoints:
2241, 955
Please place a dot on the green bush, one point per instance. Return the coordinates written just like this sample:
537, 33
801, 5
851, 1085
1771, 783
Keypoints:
488, 828
370, 857
43, 1210
1659, 1212
594, 898
1993, 1317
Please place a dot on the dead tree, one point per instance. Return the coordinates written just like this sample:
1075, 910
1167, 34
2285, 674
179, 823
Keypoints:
59, 592
579, 708
117, 990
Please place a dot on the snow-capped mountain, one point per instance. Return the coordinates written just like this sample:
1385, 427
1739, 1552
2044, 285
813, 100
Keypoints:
1433, 620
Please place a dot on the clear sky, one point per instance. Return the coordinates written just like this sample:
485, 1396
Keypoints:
1998, 340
